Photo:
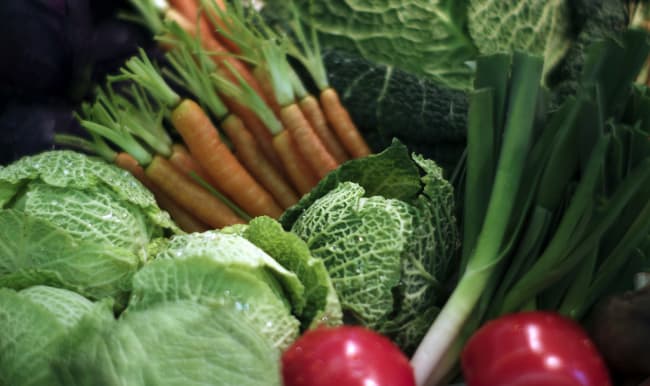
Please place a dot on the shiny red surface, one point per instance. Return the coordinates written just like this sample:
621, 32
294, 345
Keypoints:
345, 356
532, 349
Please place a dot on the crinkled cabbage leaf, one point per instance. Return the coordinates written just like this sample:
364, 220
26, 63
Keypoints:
77, 222
169, 344
235, 251
204, 280
322, 303
34, 251
385, 228
424, 37
536, 27
75, 171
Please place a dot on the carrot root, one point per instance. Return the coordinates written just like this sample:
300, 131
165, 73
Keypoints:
226, 172
186, 221
247, 150
181, 217
306, 140
189, 195
339, 118
312, 110
257, 128
184, 162
297, 169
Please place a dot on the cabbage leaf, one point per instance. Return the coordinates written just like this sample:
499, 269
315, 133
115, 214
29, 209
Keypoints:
33, 323
173, 343
322, 303
360, 241
386, 230
536, 27
424, 37
206, 281
33, 251
235, 251
77, 222
77, 171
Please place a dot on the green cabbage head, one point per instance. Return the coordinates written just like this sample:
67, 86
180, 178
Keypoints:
73, 221
385, 228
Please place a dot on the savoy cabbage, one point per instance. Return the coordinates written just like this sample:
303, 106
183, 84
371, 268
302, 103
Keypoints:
385, 228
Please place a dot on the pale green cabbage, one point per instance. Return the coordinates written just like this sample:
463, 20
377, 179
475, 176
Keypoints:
168, 344
322, 303
33, 323
247, 293
536, 27
76, 222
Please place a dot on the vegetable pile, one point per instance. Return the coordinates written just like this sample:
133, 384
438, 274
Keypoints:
99, 286
386, 193
275, 139
568, 193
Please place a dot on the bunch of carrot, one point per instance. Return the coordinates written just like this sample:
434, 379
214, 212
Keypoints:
245, 139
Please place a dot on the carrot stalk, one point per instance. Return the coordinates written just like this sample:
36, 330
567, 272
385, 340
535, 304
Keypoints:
229, 176
219, 107
216, 13
340, 120
263, 79
244, 33
248, 152
307, 51
107, 118
294, 163
220, 56
202, 139
292, 118
183, 190
189, 73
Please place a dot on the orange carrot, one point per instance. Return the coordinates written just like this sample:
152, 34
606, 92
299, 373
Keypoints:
312, 148
127, 162
184, 162
314, 114
192, 12
340, 120
294, 163
189, 195
217, 52
229, 176
221, 27
256, 127
181, 217
226, 65
247, 150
